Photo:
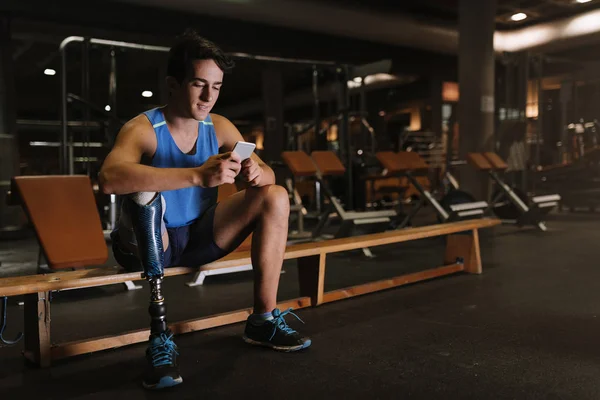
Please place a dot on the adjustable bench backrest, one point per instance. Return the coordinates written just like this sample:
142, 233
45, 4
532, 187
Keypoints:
487, 161
414, 161
401, 162
479, 161
328, 163
392, 162
63, 212
299, 163
497, 162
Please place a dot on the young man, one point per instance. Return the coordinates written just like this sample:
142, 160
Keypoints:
169, 162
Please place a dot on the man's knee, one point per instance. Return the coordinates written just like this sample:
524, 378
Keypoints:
274, 198
278, 199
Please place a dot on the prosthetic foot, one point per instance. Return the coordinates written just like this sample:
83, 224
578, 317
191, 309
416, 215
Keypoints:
146, 217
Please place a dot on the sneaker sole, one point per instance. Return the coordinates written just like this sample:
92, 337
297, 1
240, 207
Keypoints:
165, 382
286, 349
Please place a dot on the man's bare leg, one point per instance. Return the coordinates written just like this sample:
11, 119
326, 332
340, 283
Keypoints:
264, 211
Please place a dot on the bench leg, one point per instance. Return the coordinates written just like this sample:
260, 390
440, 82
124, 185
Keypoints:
311, 277
201, 275
466, 248
129, 285
37, 328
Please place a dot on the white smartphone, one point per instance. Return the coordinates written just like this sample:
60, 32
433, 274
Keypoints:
244, 149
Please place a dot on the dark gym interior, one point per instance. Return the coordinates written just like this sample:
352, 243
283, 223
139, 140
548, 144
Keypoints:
442, 164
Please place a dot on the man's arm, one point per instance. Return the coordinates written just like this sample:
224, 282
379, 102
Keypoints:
228, 135
122, 173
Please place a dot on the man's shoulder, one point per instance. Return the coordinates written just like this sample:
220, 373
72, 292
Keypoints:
218, 119
139, 123
221, 123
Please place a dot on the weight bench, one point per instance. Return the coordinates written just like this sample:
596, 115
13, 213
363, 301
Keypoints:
325, 163
509, 204
461, 254
456, 205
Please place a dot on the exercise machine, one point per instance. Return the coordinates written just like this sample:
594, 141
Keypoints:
508, 204
323, 164
455, 205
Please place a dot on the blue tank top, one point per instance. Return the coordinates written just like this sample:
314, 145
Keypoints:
184, 206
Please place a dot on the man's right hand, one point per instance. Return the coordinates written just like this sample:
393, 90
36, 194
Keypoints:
219, 169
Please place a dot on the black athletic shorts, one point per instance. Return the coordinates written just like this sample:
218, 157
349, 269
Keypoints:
190, 246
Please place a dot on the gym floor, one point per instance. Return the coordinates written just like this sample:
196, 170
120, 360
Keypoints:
527, 328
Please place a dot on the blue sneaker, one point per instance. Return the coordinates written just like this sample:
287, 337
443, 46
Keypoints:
275, 333
163, 371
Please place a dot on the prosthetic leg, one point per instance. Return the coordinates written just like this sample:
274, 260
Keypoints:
146, 219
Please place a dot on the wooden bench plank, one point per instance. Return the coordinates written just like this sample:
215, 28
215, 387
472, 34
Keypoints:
401, 280
405, 235
14, 286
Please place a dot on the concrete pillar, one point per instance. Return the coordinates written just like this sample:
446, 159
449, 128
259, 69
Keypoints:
476, 81
10, 216
274, 135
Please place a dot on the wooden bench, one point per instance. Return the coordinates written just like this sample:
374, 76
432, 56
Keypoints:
461, 254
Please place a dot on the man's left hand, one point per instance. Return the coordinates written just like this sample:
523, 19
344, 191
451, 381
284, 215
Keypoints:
251, 172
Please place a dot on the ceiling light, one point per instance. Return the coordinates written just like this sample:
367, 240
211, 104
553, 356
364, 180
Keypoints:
107, 108
582, 1
518, 16
358, 79
376, 78
147, 93
49, 71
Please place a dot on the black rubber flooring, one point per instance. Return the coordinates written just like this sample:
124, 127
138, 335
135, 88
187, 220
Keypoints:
527, 328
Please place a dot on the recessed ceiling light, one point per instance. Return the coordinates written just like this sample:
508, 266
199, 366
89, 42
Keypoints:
107, 108
582, 1
147, 93
49, 71
518, 16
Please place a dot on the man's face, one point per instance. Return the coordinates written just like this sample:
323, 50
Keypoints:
199, 92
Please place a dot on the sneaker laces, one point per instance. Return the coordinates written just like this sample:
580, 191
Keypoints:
278, 322
162, 353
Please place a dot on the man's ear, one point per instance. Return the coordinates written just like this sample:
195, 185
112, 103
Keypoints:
172, 84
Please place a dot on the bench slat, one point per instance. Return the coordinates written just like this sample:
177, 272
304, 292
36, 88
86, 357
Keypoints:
71, 349
13, 286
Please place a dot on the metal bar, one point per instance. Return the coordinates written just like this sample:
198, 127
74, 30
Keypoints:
85, 93
541, 112
509, 192
164, 49
112, 84
344, 132
63, 104
412, 213
284, 60
58, 144
3, 319
440, 210
51, 124
321, 144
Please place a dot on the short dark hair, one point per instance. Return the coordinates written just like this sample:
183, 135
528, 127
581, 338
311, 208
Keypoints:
190, 47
